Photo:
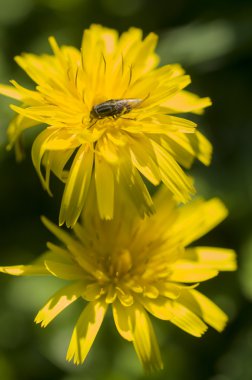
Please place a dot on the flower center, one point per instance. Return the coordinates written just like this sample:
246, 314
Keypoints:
119, 265
126, 273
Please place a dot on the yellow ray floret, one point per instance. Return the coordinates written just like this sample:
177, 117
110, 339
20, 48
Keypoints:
140, 267
111, 114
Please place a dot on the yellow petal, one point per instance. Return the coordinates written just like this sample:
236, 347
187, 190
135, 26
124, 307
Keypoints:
17, 126
35, 268
108, 36
74, 248
202, 148
10, 91
122, 321
39, 148
92, 292
169, 290
124, 296
25, 270
28, 96
204, 308
217, 258
186, 320
85, 331
62, 235
104, 180
64, 271
145, 57
129, 38
58, 254
185, 271
107, 150
154, 91
56, 50
198, 218
161, 307
186, 147
42, 114
185, 101
131, 182
32, 65
142, 156
172, 175
58, 302
144, 339
56, 161
77, 186
147, 126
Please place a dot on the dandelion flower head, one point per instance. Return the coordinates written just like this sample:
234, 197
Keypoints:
135, 135
140, 268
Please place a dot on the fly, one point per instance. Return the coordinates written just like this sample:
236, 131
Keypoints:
114, 108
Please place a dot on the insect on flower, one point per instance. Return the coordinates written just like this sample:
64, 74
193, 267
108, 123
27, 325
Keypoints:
114, 108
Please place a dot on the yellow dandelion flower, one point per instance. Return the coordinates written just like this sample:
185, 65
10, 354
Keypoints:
140, 267
109, 114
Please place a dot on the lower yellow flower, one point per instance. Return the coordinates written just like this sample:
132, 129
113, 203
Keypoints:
139, 267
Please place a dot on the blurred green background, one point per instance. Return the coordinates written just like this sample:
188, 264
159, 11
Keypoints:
213, 41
